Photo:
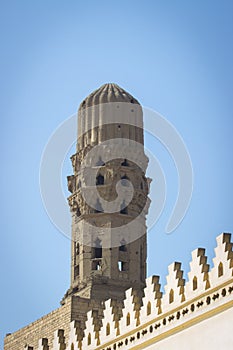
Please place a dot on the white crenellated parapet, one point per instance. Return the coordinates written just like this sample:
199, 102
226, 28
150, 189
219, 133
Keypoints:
198, 276
73, 337
151, 302
223, 260
174, 289
130, 317
59, 340
43, 344
155, 314
109, 328
90, 340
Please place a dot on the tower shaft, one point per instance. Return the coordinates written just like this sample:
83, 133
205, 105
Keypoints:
109, 197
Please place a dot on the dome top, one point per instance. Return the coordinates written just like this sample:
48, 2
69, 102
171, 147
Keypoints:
108, 93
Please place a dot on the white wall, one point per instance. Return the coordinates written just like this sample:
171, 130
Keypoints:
214, 333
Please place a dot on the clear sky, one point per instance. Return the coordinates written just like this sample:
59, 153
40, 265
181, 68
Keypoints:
174, 57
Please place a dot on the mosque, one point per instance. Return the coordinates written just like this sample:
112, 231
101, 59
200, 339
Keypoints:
110, 303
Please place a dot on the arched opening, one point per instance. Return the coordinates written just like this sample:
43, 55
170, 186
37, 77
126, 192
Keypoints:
122, 247
97, 249
171, 296
78, 212
76, 271
194, 283
122, 265
141, 186
108, 329
148, 308
207, 286
77, 248
99, 180
72, 347
124, 209
89, 339
124, 180
128, 319
220, 269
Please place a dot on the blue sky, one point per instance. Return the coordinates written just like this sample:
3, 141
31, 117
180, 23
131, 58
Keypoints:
174, 57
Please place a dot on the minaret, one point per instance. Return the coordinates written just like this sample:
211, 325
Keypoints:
109, 248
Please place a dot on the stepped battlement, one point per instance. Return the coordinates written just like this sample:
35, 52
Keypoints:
114, 325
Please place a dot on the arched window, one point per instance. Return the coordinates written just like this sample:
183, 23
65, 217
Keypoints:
123, 208
122, 247
124, 180
89, 339
128, 319
78, 212
220, 269
77, 248
98, 249
194, 283
207, 284
98, 206
141, 186
108, 329
76, 271
99, 180
72, 347
148, 308
122, 265
171, 296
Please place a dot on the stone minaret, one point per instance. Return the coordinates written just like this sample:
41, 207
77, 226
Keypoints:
109, 248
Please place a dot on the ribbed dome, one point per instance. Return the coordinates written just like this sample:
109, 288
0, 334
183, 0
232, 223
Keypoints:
108, 93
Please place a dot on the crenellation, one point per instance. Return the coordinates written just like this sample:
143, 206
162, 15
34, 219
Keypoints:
109, 329
184, 307
131, 312
223, 260
111, 322
43, 344
59, 340
151, 302
91, 335
198, 276
74, 337
174, 289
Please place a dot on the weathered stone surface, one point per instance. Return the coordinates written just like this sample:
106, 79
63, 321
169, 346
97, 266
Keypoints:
102, 270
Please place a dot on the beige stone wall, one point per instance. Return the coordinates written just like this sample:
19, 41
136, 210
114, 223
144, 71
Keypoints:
42, 328
75, 309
